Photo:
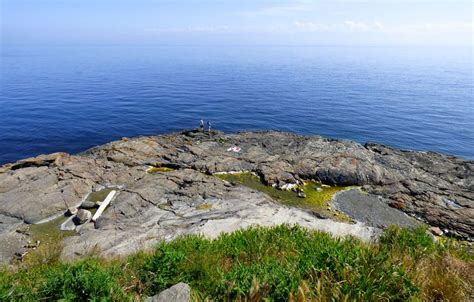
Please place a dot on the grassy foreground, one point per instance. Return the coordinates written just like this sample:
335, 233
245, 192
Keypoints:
280, 263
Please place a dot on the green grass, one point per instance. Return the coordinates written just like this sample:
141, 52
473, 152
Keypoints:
317, 195
279, 264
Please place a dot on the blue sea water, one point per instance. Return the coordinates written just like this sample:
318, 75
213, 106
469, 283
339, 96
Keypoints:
72, 98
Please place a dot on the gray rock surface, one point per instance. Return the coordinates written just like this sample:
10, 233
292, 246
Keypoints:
180, 292
68, 225
163, 206
371, 209
13, 236
436, 188
88, 205
82, 217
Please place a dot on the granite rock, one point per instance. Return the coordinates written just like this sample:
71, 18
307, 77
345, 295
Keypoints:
437, 189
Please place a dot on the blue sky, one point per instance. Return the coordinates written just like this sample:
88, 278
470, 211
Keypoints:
192, 22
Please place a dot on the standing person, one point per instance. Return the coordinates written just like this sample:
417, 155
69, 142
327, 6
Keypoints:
201, 125
209, 126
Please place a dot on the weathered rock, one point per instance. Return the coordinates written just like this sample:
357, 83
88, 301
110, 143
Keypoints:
88, 205
371, 209
436, 188
13, 236
71, 211
180, 292
163, 206
82, 217
436, 231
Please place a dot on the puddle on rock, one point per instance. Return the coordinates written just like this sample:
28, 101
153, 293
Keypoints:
317, 195
50, 230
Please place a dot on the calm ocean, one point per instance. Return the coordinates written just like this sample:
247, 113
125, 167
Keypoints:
72, 98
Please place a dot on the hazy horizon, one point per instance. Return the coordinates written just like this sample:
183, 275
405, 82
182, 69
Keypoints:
244, 23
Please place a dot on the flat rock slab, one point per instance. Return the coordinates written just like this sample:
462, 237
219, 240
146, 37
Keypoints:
166, 206
371, 209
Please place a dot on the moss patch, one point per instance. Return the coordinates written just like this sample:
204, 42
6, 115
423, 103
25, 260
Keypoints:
50, 230
50, 237
99, 195
204, 206
317, 195
152, 170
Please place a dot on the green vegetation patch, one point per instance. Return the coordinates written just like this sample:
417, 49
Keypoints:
50, 230
317, 194
50, 237
204, 206
99, 195
277, 264
152, 170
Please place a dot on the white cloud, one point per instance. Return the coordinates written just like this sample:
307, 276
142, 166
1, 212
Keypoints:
208, 29
353, 26
311, 26
349, 26
192, 29
356, 26
377, 26
278, 10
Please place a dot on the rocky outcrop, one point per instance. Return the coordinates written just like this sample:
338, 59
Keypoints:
436, 188
163, 206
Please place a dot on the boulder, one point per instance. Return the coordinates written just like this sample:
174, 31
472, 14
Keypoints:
88, 205
71, 211
180, 292
82, 217
436, 231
